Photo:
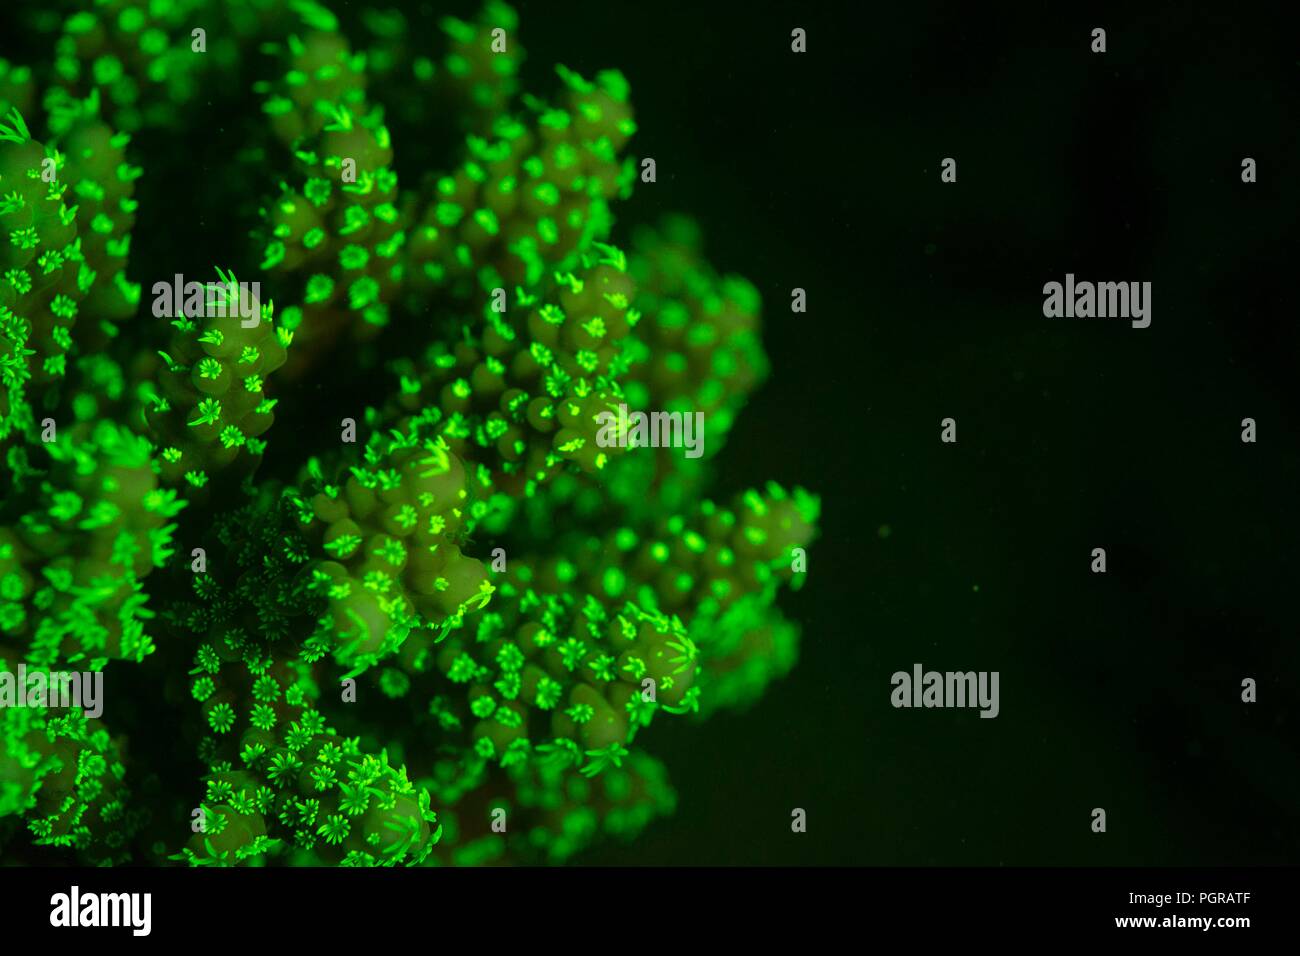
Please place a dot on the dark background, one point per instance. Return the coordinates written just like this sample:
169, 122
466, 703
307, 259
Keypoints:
1120, 690
821, 171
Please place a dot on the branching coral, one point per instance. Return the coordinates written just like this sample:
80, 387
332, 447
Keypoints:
441, 629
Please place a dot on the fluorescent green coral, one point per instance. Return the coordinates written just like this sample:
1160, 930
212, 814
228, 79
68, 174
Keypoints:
461, 605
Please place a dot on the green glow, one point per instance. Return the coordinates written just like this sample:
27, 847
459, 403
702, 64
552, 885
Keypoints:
371, 568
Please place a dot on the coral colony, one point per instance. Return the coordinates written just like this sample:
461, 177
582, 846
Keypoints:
433, 630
